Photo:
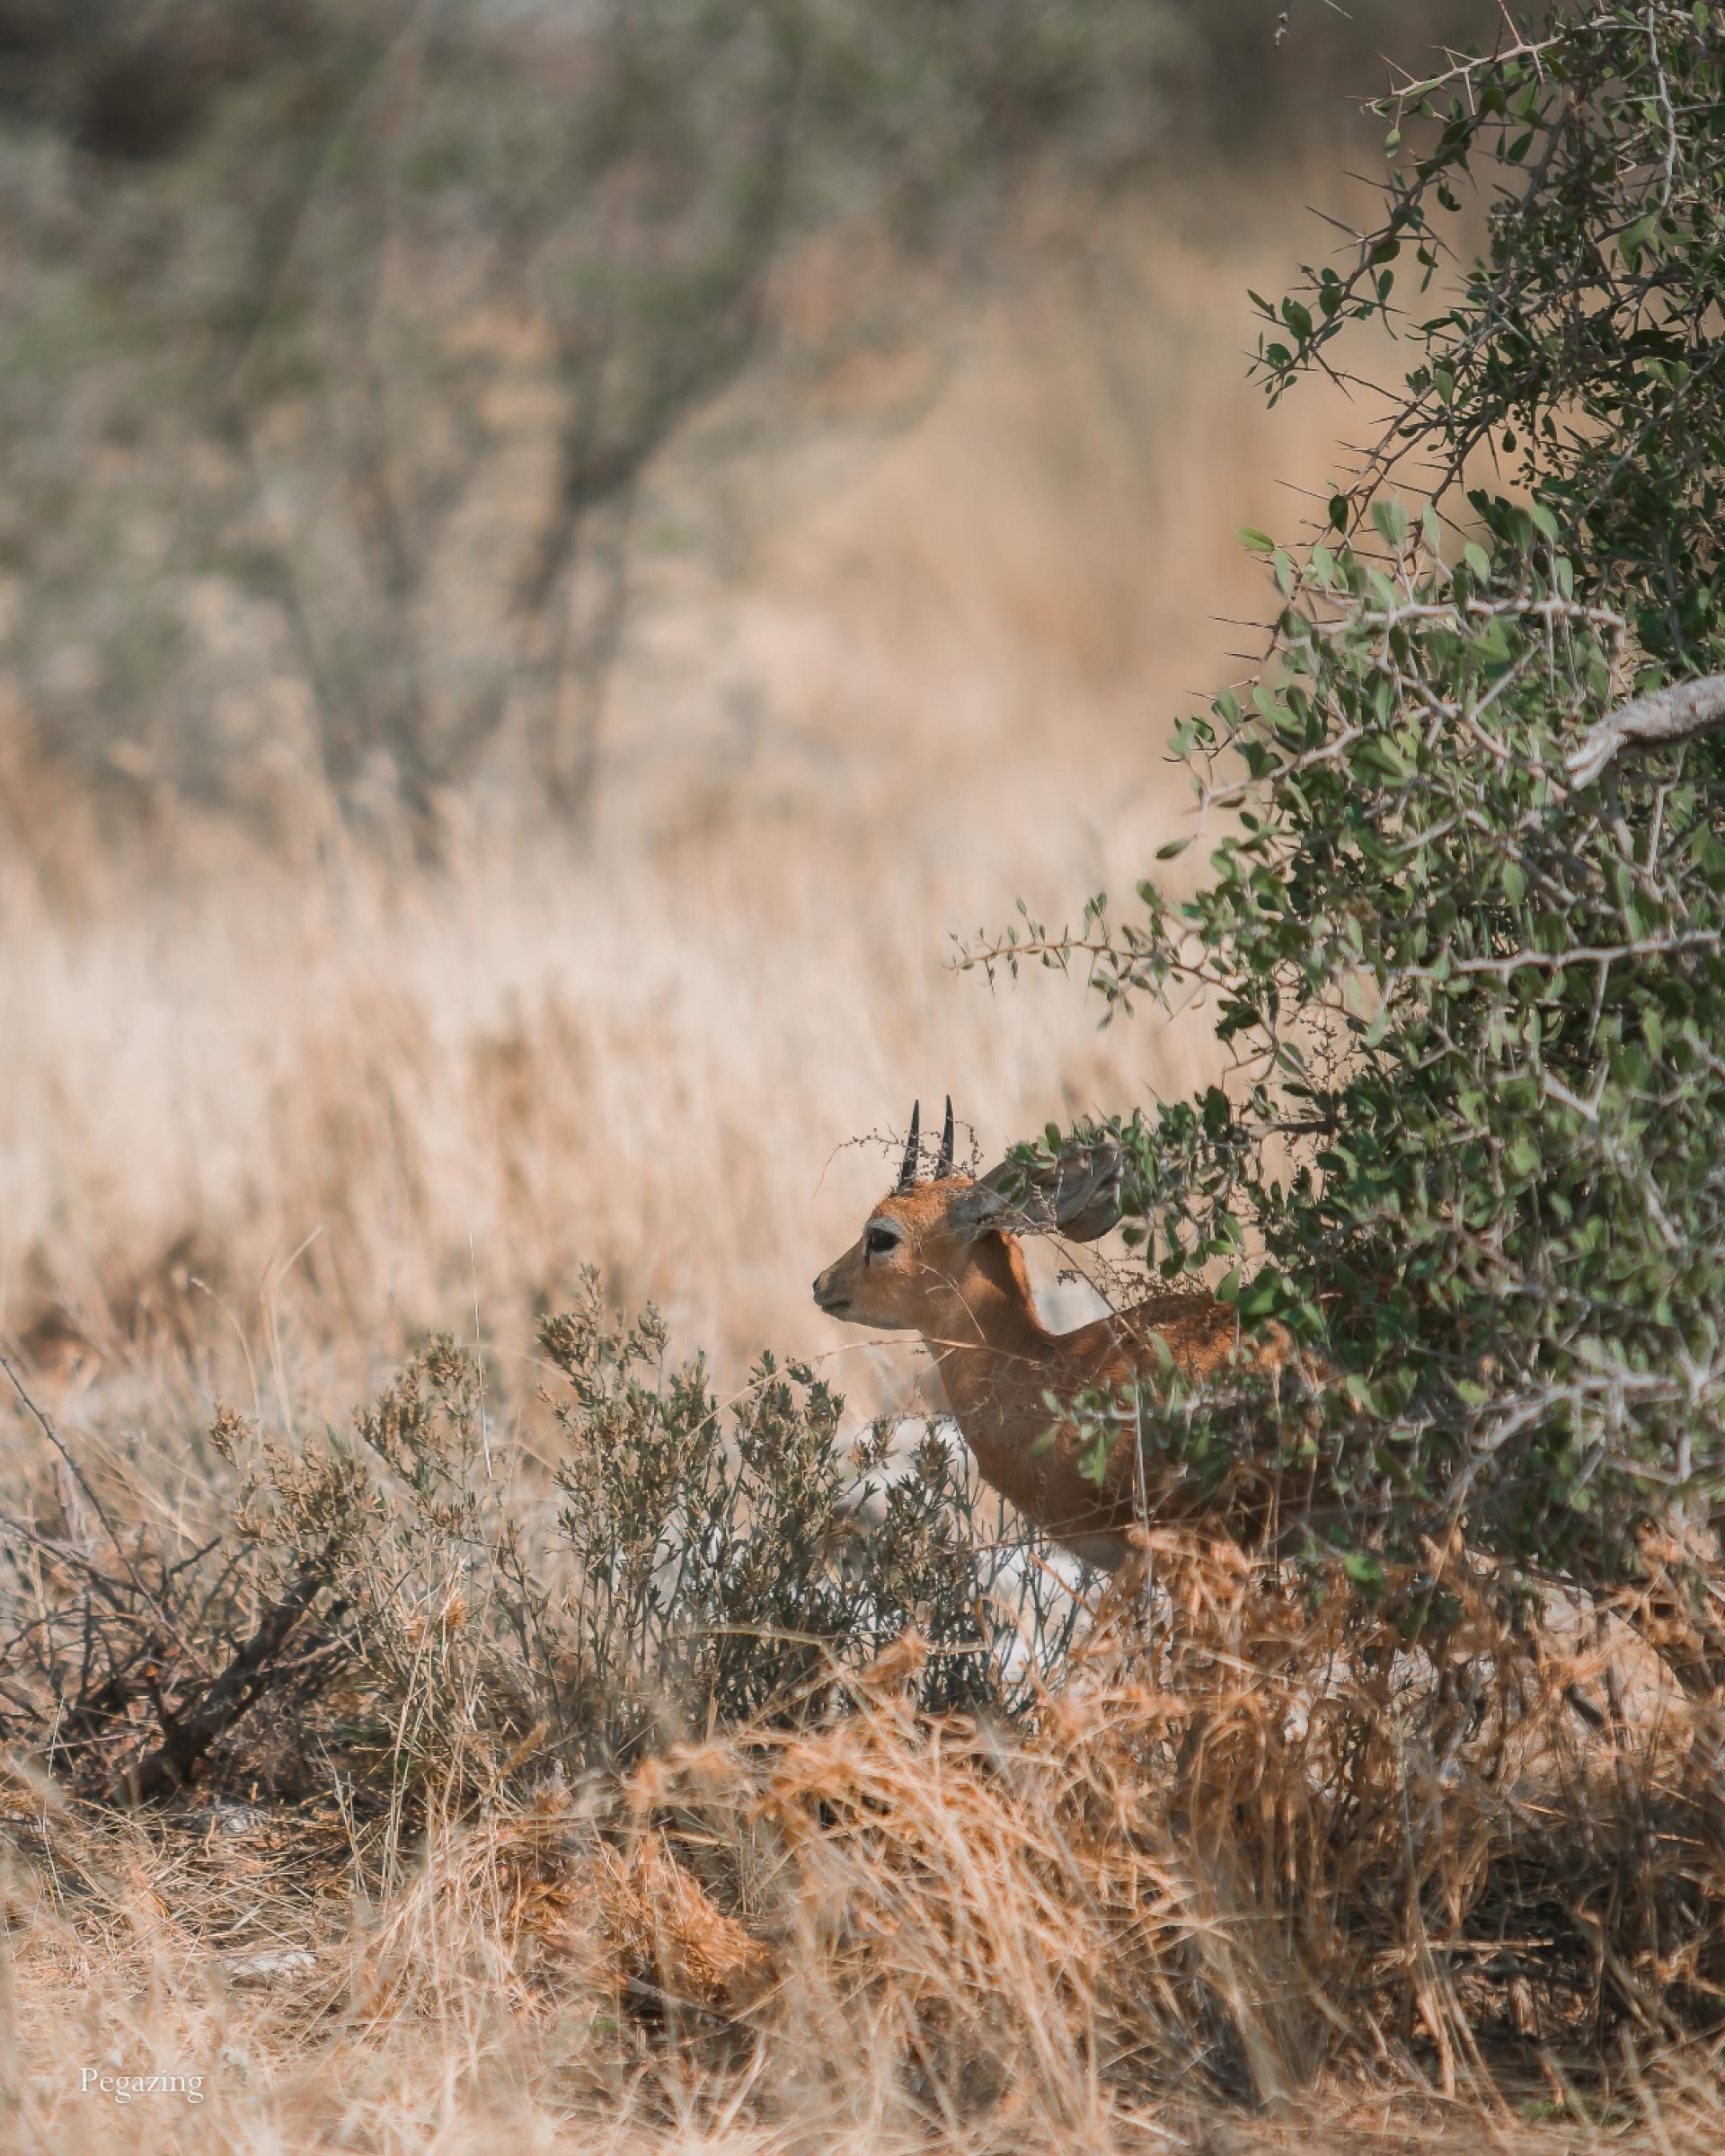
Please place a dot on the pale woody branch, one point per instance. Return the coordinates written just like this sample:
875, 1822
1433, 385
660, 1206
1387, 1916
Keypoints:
1677, 712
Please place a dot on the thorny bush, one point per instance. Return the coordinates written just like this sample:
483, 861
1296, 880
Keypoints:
426, 1611
1462, 937
710, 1584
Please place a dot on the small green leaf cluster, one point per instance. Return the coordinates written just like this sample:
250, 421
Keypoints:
1581, 350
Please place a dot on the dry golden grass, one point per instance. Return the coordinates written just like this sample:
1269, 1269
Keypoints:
344, 1097
266, 1118
1230, 1905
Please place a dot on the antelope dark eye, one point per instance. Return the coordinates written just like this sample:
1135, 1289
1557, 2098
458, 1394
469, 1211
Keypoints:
879, 1242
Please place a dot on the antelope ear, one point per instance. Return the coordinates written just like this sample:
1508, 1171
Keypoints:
983, 1205
1076, 1195
1086, 1193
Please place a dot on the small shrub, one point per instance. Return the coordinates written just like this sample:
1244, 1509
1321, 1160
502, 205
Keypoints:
431, 1618
708, 1586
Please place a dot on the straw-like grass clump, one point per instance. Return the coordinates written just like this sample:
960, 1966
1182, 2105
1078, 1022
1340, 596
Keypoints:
567, 1785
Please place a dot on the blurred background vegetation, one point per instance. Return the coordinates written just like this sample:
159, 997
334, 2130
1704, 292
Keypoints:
551, 556
347, 346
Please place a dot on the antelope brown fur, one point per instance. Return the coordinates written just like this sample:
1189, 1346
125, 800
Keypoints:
941, 1258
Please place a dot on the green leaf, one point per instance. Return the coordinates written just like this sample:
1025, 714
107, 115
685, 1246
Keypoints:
1261, 543
1635, 237
1363, 1569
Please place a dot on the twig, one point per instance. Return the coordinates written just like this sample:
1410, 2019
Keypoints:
187, 1736
1665, 104
85, 1484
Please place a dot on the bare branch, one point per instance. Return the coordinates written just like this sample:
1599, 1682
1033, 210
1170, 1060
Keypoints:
188, 1734
1677, 712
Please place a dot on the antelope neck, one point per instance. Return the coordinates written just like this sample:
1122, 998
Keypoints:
986, 1331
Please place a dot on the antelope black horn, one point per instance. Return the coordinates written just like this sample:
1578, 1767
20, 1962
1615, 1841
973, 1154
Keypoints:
913, 1148
943, 1166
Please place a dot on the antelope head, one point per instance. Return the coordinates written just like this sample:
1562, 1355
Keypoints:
935, 1254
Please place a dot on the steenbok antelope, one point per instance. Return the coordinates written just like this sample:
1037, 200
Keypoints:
942, 1258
